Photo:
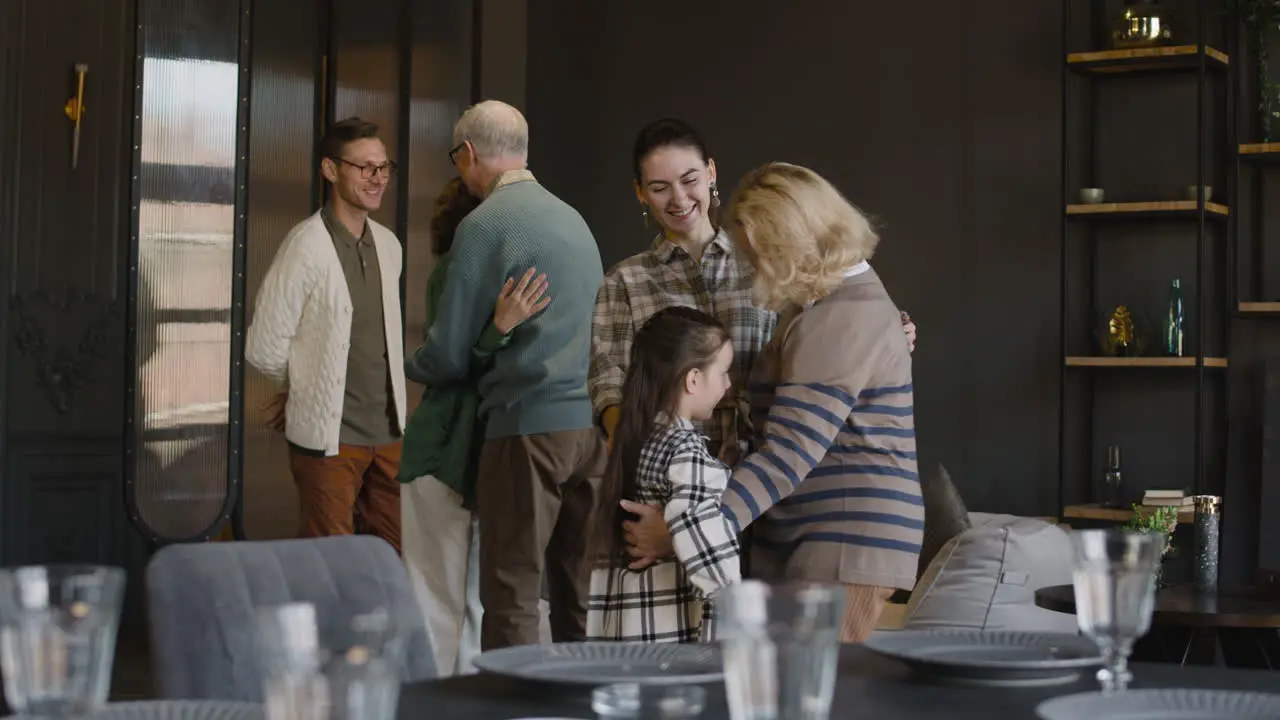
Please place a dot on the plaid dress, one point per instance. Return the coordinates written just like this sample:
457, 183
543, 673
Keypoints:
669, 602
665, 276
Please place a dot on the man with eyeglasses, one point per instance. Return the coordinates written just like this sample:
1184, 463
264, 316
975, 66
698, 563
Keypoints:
541, 464
326, 328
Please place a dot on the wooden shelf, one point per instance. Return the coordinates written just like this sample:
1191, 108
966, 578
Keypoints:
1094, 511
1259, 308
1152, 59
1171, 208
1262, 153
1102, 361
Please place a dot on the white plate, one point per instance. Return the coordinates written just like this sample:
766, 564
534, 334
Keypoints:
990, 657
601, 663
175, 710
1173, 704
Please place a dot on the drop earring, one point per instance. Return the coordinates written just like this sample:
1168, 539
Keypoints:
645, 214
715, 196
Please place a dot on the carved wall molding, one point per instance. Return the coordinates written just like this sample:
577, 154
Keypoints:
62, 370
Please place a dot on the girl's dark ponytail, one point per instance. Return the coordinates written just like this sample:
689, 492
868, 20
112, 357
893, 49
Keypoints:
643, 397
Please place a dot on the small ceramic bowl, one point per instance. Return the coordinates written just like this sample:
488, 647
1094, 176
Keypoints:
1092, 196
1192, 193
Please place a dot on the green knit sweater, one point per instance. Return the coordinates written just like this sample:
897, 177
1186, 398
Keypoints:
538, 384
444, 435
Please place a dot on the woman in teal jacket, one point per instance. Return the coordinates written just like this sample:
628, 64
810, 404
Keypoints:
441, 446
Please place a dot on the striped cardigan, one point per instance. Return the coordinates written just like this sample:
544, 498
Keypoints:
833, 490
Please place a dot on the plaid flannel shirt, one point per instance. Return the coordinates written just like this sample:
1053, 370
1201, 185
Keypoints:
670, 601
664, 276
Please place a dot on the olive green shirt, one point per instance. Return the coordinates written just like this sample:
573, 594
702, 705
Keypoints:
368, 412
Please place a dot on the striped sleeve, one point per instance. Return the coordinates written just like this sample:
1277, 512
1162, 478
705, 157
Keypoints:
703, 542
823, 370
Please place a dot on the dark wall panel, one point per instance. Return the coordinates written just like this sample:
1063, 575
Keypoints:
440, 91
504, 48
365, 57
286, 52
63, 241
959, 167
11, 46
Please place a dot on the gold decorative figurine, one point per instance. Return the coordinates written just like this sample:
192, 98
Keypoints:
1121, 337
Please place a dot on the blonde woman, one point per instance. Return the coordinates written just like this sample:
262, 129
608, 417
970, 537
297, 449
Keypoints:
833, 491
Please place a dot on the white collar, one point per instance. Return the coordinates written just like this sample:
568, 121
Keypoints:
857, 269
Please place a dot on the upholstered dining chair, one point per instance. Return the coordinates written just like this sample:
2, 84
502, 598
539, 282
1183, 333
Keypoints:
203, 599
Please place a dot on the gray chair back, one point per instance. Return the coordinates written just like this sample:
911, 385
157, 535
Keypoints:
203, 598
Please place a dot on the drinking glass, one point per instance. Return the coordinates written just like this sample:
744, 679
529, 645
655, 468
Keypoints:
1114, 580
632, 701
781, 644
314, 671
58, 637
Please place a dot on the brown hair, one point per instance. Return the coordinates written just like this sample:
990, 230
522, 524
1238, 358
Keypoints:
454, 203
667, 347
343, 132
670, 132
662, 133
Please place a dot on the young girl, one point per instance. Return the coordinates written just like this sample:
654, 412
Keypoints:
679, 371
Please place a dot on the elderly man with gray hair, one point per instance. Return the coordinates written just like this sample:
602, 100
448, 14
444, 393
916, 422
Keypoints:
541, 464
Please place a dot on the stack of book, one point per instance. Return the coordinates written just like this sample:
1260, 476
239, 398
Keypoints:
1168, 498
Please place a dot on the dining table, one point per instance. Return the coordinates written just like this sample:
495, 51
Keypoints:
869, 686
1193, 627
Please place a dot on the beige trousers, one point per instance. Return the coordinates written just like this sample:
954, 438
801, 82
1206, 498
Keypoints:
442, 555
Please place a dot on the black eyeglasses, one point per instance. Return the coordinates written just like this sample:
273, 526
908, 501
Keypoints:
453, 154
387, 169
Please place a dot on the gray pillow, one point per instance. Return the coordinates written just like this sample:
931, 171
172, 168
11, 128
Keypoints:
945, 516
986, 579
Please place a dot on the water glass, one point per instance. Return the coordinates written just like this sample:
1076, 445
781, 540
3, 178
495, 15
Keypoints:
1114, 580
781, 645
313, 671
632, 701
58, 637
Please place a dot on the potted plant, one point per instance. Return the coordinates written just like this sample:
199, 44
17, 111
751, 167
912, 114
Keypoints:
1162, 520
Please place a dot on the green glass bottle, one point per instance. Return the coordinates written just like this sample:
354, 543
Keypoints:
1111, 479
1174, 323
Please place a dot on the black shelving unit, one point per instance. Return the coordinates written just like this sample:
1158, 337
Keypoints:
1255, 163
1199, 55
1256, 160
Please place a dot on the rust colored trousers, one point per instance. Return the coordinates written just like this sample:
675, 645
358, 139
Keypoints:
355, 490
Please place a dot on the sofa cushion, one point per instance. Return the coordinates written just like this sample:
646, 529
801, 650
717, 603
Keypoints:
985, 578
944, 514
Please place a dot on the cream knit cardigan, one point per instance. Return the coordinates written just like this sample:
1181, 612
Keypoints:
301, 330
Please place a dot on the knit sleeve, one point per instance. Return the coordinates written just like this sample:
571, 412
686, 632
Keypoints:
491, 341
446, 354
278, 310
825, 364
